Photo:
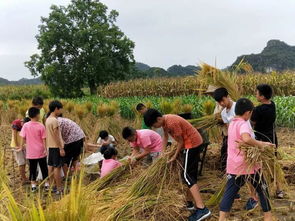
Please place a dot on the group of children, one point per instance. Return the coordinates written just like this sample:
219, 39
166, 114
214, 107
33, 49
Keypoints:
157, 134
52, 146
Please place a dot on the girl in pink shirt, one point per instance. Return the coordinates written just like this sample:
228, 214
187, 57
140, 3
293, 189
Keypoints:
144, 142
33, 134
110, 161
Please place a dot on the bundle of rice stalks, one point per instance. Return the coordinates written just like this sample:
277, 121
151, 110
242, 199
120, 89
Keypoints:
88, 106
80, 111
70, 106
206, 122
208, 107
264, 157
186, 108
166, 107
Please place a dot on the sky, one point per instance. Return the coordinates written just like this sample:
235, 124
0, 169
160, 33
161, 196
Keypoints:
165, 32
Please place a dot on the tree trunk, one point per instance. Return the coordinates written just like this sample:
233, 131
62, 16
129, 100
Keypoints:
92, 87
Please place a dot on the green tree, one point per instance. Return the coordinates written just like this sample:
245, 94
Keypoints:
81, 46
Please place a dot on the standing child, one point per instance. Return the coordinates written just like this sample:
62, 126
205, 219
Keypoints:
55, 145
141, 108
188, 140
110, 161
238, 172
263, 119
19, 153
146, 140
33, 134
38, 103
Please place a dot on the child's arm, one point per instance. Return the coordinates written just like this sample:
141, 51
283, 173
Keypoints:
17, 145
142, 155
60, 142
44, 144
135, 151
247, 139
23, 142
180, 145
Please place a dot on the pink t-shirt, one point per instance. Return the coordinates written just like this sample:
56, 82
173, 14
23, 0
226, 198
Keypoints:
148, 140
108, 166
34, 133
235, 161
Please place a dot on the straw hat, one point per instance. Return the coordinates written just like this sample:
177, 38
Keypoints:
210, 89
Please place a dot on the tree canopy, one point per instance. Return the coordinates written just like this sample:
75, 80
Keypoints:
81, 46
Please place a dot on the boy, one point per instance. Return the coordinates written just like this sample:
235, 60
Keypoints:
188, 140
19, 153
146, 140
237, 170
33, 134
55, 145
141, 108
38, 103
263, 119
221, 96
104, 140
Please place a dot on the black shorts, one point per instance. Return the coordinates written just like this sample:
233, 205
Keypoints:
54, 158
191, 159
73, 151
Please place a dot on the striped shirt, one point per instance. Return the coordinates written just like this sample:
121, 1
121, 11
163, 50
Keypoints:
176, 126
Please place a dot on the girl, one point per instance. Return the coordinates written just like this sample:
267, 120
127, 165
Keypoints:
110, 161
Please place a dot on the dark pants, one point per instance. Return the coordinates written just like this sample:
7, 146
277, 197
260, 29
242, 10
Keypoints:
233, 185
223, 154
73, 151
191, 158
33, 168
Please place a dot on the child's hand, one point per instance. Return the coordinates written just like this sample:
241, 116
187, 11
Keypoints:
172, 159
18, 149
62, 152
269, 144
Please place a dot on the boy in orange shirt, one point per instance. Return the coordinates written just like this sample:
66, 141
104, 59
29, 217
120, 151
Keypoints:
188, 140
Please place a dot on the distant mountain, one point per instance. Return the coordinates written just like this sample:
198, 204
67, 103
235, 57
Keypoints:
23, 81
175, 70
276, 56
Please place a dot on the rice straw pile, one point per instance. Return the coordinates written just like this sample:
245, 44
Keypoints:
265, 157
206, 122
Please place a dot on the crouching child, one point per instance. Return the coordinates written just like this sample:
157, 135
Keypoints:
238, 172
110, 161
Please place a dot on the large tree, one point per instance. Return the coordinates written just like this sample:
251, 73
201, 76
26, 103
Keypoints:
81, 46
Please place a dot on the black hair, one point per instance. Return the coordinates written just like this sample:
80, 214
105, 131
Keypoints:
37, 101
33, 112
26, 120
103, 134
220, 93
151, 116
265, 90
53, 105
140, 106
243, 105
109, 153
128, 132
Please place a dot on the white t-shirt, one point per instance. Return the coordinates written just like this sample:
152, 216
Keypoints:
110, 138
228, 115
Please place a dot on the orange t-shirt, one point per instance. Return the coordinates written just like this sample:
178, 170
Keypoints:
176, 126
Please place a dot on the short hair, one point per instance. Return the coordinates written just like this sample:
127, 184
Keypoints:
128, 132
220, 93
265, 90
109, 153
33, 112
55, 104
140, 106
26, 120
37, 101
243, 105
103, 134
151, 116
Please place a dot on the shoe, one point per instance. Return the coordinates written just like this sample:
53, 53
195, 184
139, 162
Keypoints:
238, 197
54, 189
251, 204
59, 192
190, 206
47, 188
200, 214
34, 189
280, 194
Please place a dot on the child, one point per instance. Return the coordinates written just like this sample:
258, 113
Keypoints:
55, 145
263, 119
188, 140
147, 140
227, 114
110, 161
141, 108
33, 134
104, 140
237, 170
19, 153
38, 103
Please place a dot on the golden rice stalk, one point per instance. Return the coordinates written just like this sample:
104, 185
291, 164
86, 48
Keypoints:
216, 198
208, 107
206, 122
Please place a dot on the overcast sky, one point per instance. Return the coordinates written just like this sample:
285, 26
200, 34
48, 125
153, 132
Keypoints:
165, 32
